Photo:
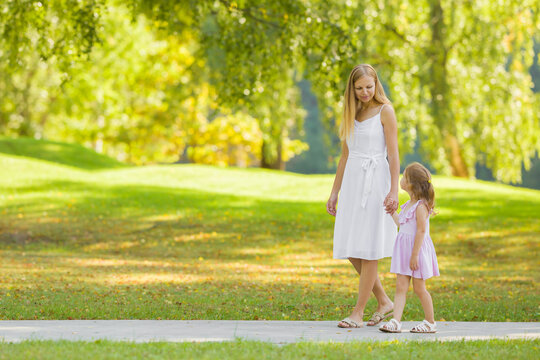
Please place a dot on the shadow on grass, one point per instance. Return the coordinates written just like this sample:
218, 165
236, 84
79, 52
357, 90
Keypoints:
73, 155
142, 222
155, 220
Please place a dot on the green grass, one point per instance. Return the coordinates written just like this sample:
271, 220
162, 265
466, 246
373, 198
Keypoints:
85, 237
57, 152
487, 349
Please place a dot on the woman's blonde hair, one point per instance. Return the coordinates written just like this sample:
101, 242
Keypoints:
351, 106
419, 179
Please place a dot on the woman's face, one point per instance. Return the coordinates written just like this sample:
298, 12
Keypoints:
364, 88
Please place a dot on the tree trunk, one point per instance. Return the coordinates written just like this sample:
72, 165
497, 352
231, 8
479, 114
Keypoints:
25, 129
267, 162
440, 94
184, 158
455, 156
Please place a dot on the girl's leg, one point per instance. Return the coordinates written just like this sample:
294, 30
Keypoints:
425, 299
402, 286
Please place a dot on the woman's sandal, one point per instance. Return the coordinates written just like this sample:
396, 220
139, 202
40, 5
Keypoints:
425, 327
377, 317
352, 324
393, 326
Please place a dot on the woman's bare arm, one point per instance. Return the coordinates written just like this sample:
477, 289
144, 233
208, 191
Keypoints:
332, 201
388, 119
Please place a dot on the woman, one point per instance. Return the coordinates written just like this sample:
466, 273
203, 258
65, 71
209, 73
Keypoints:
364, 230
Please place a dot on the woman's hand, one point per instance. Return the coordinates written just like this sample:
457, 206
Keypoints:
413, 264
331, 204
391, 202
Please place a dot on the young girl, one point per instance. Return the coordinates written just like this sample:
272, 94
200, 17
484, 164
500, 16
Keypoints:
414, 255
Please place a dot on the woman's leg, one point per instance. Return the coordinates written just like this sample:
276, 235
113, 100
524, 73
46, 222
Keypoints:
367, 269
419, 286
357, 263
368, 277
384, 303
402, 286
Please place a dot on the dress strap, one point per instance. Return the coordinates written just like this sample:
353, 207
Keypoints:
380, 110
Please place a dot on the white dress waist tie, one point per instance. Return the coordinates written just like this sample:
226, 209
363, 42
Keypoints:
369, 163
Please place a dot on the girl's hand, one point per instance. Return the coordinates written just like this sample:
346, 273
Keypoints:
391, 202
331, 205
414, 262
395, 217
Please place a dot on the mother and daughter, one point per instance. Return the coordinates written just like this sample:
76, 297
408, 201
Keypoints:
365, 228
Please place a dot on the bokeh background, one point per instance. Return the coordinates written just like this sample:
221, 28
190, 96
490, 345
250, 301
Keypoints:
260, 84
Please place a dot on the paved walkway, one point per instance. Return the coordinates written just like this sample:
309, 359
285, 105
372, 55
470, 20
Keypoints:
280, 332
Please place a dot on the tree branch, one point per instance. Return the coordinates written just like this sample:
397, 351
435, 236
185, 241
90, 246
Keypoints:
397, 33
248, 13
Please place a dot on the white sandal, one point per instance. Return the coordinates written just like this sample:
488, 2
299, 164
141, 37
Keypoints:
425, 327
393, 326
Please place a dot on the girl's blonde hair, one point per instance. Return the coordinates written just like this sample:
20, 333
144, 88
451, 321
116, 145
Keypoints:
352, 105
419, 179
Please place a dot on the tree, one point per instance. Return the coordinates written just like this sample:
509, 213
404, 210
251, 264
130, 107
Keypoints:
66, 29
457, 71
39, 41
134, 96
457, 75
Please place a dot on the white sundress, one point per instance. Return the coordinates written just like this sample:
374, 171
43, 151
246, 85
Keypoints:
363, 229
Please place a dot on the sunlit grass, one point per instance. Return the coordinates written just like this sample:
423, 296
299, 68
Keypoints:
507, 349
200, 242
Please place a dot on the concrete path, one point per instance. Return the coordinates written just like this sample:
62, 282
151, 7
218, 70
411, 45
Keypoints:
280, 332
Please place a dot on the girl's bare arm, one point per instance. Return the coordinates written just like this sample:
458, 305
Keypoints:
421, 221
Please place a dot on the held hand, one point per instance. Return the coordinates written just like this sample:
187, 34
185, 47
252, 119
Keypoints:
331, 205
391, 203
414, 262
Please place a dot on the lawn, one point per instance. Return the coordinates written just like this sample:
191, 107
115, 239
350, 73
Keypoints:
490, 349
83, 236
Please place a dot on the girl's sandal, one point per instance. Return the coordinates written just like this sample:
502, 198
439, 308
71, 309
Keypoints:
393, 326
351, 324
377, 317
425, 327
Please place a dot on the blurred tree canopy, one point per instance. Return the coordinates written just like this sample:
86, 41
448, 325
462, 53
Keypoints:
139, 94
456, 71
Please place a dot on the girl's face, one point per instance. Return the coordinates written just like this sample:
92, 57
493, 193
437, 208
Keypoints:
364, 89
404, 183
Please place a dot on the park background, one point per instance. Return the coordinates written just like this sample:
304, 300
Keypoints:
172, 160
